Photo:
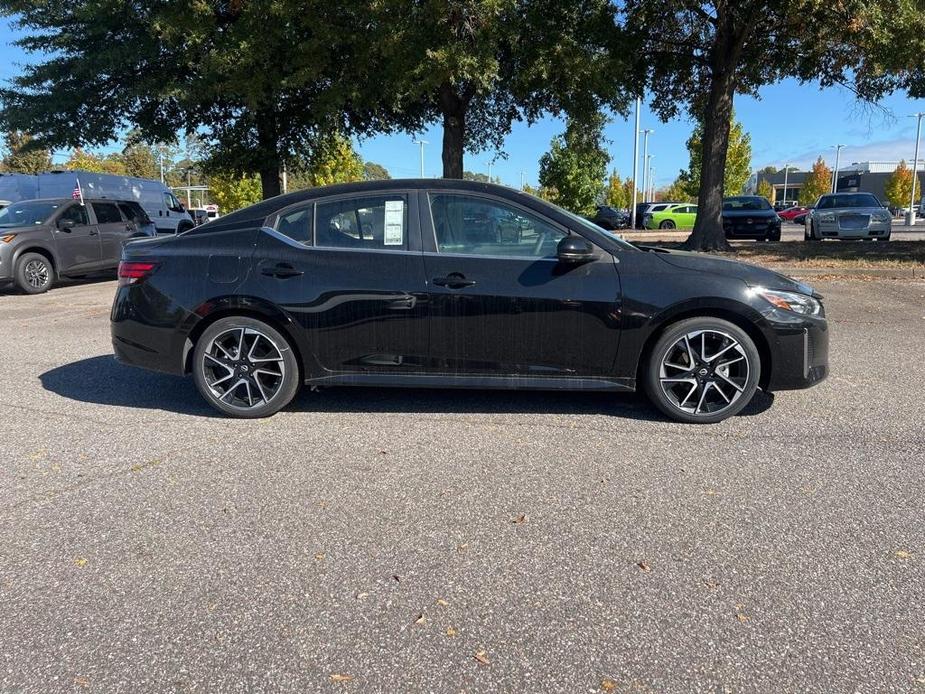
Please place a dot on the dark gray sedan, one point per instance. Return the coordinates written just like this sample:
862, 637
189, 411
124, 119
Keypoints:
848, 216
41, 240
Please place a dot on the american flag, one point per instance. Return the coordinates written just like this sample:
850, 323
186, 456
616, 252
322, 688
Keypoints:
78, 194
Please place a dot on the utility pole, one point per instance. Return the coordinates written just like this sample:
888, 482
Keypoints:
645, 159
490, 164
838, 149
160, 150
285, 178
786, 173
650, 194
635, 165
421, 143
910, 218
523, 180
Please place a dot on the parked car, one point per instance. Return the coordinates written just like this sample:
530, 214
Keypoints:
282, 294
644, 208
610, 218
791, 213
157, 200
199, 215
674, 216
750, 217
41, 240
848, 216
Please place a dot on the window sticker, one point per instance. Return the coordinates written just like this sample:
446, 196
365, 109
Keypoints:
394, 234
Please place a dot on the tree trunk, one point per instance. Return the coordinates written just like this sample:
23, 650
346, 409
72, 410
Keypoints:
708, 234
454, 131
268, 151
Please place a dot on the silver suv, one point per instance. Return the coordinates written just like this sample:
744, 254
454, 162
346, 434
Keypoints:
848, 216
41, 240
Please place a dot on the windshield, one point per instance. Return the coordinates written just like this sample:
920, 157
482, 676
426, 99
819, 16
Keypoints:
832, 202
24, 214
596, 230
746, 203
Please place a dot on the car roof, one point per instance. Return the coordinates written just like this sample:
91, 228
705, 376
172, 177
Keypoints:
86, 199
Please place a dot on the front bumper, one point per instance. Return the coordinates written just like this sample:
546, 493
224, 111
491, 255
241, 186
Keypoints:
799, 351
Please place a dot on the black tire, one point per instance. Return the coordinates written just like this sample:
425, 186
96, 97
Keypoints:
184, 226
746, 375
775, 237
34, 273
811, 235
244, 366
667, 224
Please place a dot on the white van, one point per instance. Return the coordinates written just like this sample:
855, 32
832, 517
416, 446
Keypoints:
158, 200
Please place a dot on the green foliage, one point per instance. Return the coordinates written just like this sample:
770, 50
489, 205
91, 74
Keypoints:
616, 193
375, 172
576, 164
819, 182
95, 163
677, 192
333, 161
765, 189
738, 161
232, 191
898, 187
22, 156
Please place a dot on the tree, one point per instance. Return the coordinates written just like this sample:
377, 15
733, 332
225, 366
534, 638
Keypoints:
81, 160
768, 170
629, 189
139, 158
576, 164
738, 160
375, 172
333, 161
232, 191
677, 192
21, 156
480, 65
615, 195
706, 52
765, 189
819, 182
898, 186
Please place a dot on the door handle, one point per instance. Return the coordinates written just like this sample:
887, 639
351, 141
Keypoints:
454, 280
281, 271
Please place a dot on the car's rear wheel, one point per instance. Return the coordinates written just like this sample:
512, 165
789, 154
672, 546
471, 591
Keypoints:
667, 224
703, 370
34, 273
245, 368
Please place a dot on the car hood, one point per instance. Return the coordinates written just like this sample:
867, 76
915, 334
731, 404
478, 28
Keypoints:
23, 229
752, 275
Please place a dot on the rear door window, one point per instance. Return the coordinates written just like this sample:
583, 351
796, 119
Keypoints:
134, 213
377, 222
106, 213
77, 214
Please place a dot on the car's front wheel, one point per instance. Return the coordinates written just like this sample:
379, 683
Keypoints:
245, 368
34, 273
702, 370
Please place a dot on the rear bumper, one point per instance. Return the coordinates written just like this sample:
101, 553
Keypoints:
800, 354
145, 341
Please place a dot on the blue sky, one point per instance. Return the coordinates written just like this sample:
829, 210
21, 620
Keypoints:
789, 123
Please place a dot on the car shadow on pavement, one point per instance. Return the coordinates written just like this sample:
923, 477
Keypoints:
102, 380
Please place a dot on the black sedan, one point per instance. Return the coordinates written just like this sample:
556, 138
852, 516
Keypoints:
750, 217
391, 283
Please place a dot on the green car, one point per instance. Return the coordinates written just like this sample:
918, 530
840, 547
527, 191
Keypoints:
675, 217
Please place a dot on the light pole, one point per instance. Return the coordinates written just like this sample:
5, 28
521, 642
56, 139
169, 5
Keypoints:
651, 181
910, 218
490, 164
645, 159
838, 149
786, 173
523, 180
635, 165
422, 143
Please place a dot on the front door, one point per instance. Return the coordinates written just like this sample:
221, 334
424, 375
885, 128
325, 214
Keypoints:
114, 231
349, 270
500, 301
77, 240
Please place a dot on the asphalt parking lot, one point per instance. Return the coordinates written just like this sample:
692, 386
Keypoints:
390, 540
789, 232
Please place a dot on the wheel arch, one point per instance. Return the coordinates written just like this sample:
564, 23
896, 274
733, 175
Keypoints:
49, 254
723, 312
214, 311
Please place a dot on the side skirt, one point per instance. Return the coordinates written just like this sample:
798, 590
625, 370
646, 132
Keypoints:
480, 382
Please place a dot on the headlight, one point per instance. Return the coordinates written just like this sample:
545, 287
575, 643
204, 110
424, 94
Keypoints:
885, 216
790, 301
827, 217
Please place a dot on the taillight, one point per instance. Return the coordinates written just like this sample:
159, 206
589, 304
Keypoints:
131, 272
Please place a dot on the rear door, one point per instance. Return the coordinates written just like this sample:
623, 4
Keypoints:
504, 305
348, 269
77, 240
114, 230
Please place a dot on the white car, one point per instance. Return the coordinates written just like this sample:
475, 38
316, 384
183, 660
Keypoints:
848, 216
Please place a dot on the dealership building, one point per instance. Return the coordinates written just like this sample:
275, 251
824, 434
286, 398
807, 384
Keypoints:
859, 177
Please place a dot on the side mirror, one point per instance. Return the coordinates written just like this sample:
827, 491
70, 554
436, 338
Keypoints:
574, 249
66, 224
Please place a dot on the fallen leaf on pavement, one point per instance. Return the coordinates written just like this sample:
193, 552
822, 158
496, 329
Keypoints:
336, 677
608, 685
450, 631
421, 619
903, 554
482, 657
742, 617
522, 518
80, 562
643, 566
319, 556
82, 681
442, 602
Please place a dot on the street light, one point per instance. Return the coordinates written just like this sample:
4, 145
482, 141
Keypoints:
523, 180
635, 165
645, 158
421, 143
649, 193
838, 149
910, 218
786, 173
490, 164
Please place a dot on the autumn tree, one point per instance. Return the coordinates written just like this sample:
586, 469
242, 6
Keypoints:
333, 160
576, 164
898, 187
704, 53
375, 172
21, 157
818, 182
616, 194
677, 192
233, 191
765, 189
738, 160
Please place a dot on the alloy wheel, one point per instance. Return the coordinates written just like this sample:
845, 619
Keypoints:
243, 368
36, 272
704, 372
